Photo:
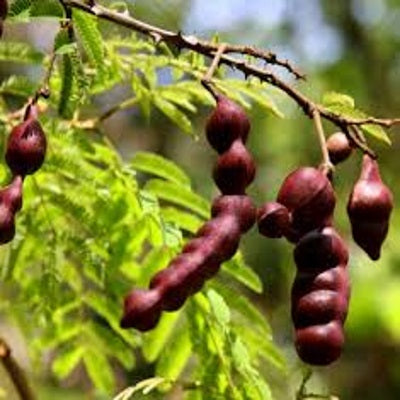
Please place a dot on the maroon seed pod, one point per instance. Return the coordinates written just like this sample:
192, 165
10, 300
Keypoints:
339, 147
7, 224
369, 207
234, 170
240, 206
26, 146
320, 250
3, 9
223, 235
335, 279
309, 196
318, 307
11, 195
320, 344
273, 220
142, 310
227, 123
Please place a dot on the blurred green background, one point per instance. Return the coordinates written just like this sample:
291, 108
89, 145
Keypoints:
350, 46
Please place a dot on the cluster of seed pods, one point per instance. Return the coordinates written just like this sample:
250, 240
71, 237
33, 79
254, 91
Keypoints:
232, 214
3, 14
25, 153
303, 214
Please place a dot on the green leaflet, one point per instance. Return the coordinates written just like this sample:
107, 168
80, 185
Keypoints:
50, 8
237, 268
66, 361
179, 195
91, 39
99, 370
19, 53
160, 166
17, 86
173, 113
66, 86
18, 7
240, 304
343, 104
175, 354
154, 342
219, 308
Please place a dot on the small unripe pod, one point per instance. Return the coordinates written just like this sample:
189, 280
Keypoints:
234, 170
26, 145
240, 206
369, 207
320, 344
142, 310
227, 123
273, 220
339, 147
309, 197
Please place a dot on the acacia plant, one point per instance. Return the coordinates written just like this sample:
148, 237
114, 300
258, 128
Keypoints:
93, 225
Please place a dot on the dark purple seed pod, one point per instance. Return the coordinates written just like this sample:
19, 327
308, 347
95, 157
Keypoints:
3, 9
320, 250
234, 170
11, 195
320, 344
308, 195
369, 209
227, 123
334, 279
26, 145
339, 147
318, 307
142, 310
273, 220
239, 205
7, 225
223, 233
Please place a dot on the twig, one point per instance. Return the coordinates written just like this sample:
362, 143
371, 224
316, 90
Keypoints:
327, 166
206, 80
15, 372
301, 392
209, 49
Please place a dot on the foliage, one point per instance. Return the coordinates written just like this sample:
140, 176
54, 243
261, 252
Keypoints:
94, 225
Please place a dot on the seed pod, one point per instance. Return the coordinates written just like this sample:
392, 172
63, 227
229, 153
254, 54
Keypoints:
320, 344
369, 207
234, 170
142, 310
7, 225
320, 296
273, 220
26, 146
3, 9
227, 123
240, 206
339, 147
321, 249
309, 197
12, 194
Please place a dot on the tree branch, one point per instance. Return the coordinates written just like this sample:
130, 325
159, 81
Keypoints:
15, 372
210, 49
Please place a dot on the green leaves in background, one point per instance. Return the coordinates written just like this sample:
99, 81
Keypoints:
343, 104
